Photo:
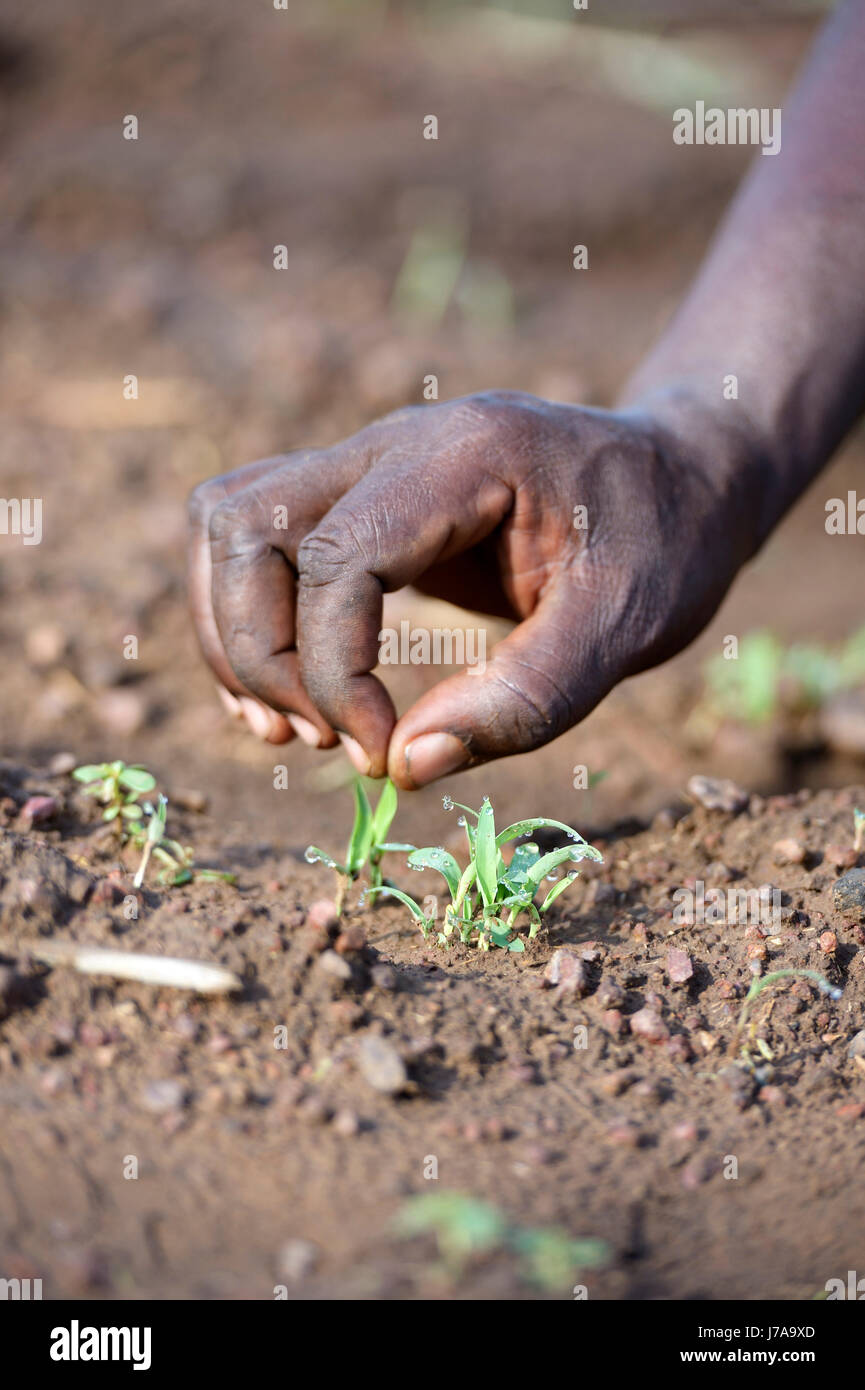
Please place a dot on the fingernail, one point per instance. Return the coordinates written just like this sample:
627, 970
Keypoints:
356, 753
434, 755
231, 702
305, 730
259, 719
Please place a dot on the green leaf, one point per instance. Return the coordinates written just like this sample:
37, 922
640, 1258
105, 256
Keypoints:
547, 863
361, 835
470, 873
485, 853
524, 858
516, 945
111, 813
137, 779
390, 847
384, 812
216, 874
131, 812
89, 772
556, 889
442, 862
426, 922
525, 827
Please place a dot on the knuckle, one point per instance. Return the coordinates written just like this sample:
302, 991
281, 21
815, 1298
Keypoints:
324, 554
203, 500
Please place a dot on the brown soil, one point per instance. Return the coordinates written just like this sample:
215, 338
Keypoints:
155, 258
256, 1145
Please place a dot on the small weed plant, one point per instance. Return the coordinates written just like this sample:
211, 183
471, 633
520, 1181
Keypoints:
367, 843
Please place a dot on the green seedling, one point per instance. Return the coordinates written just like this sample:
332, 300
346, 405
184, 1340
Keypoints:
858, 828
177, 860
488, 896
743, 1047
367, 844
465, 1227
118, 787
767, 678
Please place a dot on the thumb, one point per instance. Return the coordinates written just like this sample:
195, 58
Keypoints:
542, 679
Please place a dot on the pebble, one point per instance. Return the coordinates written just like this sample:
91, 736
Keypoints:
322, 914
680, 968
161, 1096
647, 1023
828, 943
352, 939
856, 1047
840, 856
384, 976
567, 973
848, 892
380, 1065
335, 966
296, 1260
788, 852
346, 1124
717, 794
38, 809
609, 995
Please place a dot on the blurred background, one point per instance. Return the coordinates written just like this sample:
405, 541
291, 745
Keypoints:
404, 257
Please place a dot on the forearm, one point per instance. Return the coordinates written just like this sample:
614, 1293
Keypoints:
780, 301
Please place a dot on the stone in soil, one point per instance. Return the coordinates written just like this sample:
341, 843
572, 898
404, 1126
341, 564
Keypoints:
380, 1065
848, 892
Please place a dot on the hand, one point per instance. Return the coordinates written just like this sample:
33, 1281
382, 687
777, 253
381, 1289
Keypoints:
472, 501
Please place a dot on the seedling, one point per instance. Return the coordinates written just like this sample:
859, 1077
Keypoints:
367, 843
858, 828
464, 1227
757, 986
488, 896
117, 787
178, 860
767, 678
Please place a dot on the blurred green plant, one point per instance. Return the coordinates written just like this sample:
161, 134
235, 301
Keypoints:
117, 786
767, 679
740, 1045
465, 1227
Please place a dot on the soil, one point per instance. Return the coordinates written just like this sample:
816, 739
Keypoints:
155, 258
248, 1139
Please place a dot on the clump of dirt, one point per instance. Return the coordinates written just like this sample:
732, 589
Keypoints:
162, 1145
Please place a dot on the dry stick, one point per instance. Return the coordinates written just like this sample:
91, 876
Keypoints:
130, 965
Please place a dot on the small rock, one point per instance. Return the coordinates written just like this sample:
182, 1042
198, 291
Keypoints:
626, 1135
567, 973
384, 976
346, 1124
352, 939
161, 1096
856, 1047
717, 794
679, 1049
322, 914
828, 943
609, 995
848, 892
62, 763
840, 856
648, 1024
680, 968
697, 1172
788, 852
296, 1260
120, 711
380, 1065
740, 1083
853, 1110
334, 965
45, 644
38, 809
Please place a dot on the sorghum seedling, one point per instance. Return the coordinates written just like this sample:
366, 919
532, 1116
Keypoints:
757, 987
858, 828
367, 843
489, 895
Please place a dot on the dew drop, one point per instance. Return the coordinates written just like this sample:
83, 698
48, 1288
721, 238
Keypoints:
447, 803
310, 856
461, 820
